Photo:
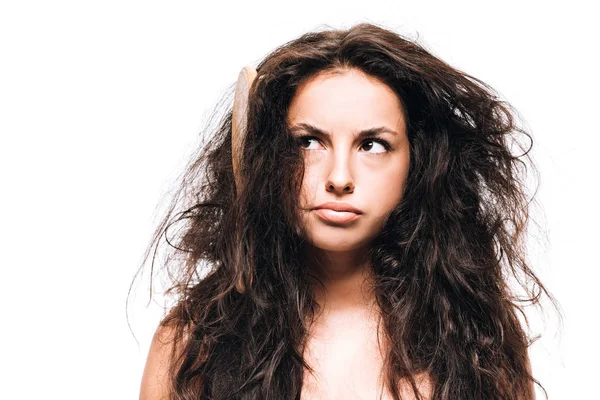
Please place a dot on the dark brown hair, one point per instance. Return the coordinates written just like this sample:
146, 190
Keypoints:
442, 262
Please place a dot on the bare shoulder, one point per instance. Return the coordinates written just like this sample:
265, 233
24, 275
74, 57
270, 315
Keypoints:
424, 384
155, 382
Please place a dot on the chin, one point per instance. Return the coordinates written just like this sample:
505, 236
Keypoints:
330, 240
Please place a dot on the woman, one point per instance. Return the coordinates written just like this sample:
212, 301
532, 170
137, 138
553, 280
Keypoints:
360, 242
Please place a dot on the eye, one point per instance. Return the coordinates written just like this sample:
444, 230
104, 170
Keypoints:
302, 140
383, 145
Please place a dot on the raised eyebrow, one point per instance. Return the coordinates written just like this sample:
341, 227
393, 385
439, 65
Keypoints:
364, 133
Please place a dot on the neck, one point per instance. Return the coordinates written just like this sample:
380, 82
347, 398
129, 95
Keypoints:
342, 281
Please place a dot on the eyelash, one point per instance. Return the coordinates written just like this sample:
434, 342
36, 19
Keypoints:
382, 142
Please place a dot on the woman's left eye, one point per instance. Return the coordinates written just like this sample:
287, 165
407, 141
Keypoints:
384, 147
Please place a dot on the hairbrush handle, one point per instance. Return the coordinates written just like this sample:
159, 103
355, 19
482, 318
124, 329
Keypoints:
239, 119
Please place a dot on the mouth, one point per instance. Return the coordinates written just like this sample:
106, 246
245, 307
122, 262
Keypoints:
336, 217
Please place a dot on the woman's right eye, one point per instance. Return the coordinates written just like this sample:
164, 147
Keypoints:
306, 141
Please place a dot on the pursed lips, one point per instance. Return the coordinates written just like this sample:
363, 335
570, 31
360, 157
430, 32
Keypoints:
337, 212
339, 207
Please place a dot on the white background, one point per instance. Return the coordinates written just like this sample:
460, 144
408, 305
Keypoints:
101, 103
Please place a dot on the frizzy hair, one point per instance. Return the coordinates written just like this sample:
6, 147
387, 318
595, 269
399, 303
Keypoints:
442, 262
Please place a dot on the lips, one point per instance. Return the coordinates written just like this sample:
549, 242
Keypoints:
338, 206
337, 212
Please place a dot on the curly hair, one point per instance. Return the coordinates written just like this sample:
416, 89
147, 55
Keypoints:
442, 262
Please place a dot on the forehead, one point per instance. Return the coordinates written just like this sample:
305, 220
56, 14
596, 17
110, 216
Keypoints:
346, 99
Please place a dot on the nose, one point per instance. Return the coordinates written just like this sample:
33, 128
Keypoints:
340, 180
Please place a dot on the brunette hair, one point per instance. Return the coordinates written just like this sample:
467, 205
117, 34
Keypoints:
442, 262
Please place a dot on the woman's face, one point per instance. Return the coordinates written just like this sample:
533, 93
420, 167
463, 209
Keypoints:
351, 129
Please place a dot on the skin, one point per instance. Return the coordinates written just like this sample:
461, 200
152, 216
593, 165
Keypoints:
154, 385
343, 346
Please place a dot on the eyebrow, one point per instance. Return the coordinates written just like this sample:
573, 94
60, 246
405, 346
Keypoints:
362, 134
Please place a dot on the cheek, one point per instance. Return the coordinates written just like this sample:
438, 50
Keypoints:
386, 191
383, 197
